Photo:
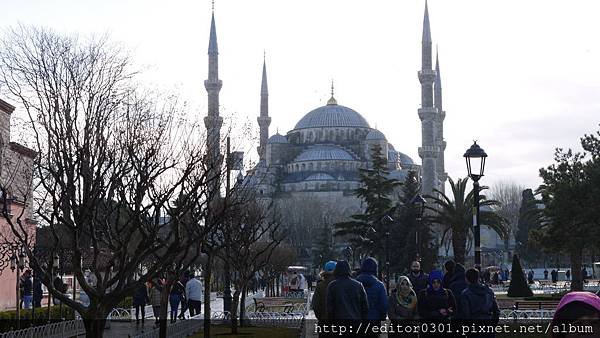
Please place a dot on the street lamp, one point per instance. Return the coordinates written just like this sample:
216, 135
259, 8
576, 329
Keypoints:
419, 203
475, 158
387, 220
18, 263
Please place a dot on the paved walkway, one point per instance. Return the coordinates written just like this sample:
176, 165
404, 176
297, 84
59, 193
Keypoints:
130, 329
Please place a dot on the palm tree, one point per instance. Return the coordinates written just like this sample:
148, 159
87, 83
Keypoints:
455, 215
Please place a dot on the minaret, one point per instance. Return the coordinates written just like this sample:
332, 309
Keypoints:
264, 120
427, 113
213, 121
441, 115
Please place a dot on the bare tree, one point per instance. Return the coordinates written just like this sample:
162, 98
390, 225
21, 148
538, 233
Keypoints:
509, 194
111, 163
252, 233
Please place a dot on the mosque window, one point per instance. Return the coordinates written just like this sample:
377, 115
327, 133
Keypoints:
303, 166
310, 136
331, 135
318, 165
310, 166
297, 168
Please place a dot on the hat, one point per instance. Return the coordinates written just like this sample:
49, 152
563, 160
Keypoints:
329, 266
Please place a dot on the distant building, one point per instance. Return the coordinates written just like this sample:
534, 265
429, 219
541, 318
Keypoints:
16, 170
310, 173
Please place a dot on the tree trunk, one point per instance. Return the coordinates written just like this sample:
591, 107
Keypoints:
576, 277
164, 301
94, 323
459, 243
207, 288
242, 306
234, 308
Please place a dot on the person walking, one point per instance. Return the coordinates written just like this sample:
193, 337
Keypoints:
376, 293
477, 304
458, 282
448, 272
435, 304
402, 306
568, 275
545, 274
27, 289
193, 294
175, 297
319, 299
346, 297
140, 299
417, 277
38, 292
155, 300
554, 275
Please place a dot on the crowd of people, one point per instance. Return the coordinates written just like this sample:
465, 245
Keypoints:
185, 291
453, 296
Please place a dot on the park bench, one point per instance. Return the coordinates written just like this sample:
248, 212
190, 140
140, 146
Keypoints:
536, 305
273, 304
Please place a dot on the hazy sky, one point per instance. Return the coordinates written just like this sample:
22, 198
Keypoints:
520, 76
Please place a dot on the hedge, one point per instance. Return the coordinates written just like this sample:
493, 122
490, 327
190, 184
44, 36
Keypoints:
8, 319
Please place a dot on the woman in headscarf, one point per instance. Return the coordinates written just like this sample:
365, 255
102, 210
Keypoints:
435, 304
402, 306
580, 311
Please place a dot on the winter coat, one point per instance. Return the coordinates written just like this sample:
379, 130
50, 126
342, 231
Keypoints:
376, 294
27, 285
346, 297
319, 300
429, 303
193, 289
140, 296
397, 311
458, 282
477, 302
419, 282
155, 296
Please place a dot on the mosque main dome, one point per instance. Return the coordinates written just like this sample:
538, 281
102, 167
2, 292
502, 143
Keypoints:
332, 115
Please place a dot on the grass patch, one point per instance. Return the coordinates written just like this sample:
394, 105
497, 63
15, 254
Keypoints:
223, 331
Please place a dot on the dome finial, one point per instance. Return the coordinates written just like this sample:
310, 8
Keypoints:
332, 100
213, 5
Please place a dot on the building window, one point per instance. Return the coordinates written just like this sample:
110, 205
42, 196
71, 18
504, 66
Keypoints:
310, 166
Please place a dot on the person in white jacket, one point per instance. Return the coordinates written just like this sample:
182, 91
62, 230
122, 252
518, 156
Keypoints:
193, 293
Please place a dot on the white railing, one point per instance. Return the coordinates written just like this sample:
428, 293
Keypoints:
67, 328
537, 314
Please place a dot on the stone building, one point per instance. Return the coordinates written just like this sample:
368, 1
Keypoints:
310, 172
16, 170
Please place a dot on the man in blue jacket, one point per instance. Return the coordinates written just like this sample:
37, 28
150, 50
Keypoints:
376, 294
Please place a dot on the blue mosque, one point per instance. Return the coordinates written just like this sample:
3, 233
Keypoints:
311, 171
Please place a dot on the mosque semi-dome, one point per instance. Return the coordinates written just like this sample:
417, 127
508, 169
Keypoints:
332, 115
324, 153
277, 138
375, 135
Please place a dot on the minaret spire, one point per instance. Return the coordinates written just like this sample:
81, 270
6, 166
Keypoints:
442, 176
427, 113
213, 121
438, 83
426, 27
263, 119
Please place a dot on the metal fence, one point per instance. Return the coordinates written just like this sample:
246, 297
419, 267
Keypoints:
68, 328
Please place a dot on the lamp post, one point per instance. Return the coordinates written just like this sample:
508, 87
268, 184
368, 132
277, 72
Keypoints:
475, 158
18, 263
387, 220
419, 203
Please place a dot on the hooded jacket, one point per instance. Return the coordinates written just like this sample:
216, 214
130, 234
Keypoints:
431, 301
419, 282
319, 300
376, 294
458, 282
477, 302
346, 297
